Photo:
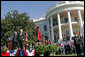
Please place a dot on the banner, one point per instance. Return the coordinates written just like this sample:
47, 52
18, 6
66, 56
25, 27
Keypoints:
29, 52
10, 52
18, 52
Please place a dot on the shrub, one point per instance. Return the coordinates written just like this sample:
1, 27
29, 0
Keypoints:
54, 48
50, 49
40, 49
45, 50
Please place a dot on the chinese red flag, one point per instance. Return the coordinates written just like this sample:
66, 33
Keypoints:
39, 35
26, 38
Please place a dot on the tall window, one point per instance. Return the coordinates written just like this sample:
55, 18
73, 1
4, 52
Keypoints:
66, 20
45, 28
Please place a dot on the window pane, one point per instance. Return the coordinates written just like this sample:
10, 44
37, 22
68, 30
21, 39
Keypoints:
65, 20
45, 28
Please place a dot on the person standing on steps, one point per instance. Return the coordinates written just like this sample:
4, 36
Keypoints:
21, 38
15, 39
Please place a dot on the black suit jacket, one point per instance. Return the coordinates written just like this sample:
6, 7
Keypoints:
21, 37
15, 38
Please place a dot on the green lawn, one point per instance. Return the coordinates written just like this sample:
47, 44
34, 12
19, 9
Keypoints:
70, 55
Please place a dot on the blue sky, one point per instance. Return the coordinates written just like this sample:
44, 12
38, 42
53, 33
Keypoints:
33, 8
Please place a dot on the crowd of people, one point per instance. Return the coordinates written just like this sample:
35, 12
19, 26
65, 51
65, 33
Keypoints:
75, 45
64, 47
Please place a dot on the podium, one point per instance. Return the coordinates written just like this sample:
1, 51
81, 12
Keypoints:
10, 45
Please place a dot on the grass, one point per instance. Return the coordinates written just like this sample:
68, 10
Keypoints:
82, 54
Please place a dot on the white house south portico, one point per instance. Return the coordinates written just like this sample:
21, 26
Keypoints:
62, 19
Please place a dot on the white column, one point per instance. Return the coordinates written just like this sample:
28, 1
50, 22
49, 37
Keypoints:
80, 21
52, 32
59, 27
70, 24
48, 30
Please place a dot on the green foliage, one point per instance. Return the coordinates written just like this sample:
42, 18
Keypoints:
54, 48
45, 49
40, 49
3, 42
50, 49
15, 21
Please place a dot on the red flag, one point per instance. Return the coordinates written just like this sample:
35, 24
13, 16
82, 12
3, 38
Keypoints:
76, 33
26, 38
39, 35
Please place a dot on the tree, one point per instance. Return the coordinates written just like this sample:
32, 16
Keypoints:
14, 21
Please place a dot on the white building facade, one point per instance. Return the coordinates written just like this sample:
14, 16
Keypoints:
61, 20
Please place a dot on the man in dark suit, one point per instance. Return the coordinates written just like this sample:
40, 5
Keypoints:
15, 39
21, 38
77, 43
